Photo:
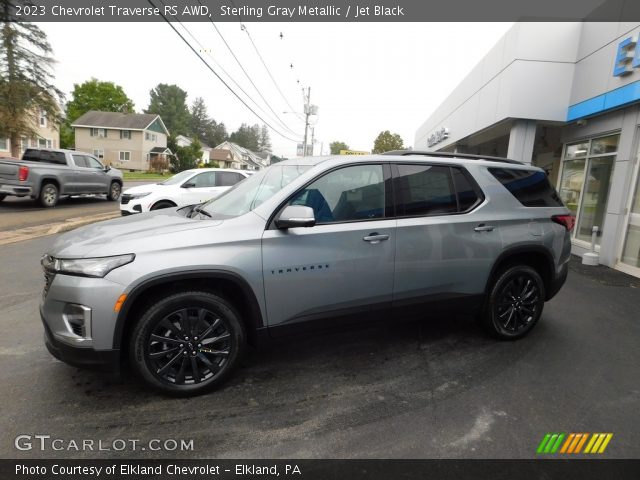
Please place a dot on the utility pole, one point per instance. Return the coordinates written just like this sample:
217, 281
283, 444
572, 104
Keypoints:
307, 112
313, 139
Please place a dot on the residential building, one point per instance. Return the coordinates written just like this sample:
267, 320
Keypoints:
183, 141
240, 157
564, 97
47, 136
128, 141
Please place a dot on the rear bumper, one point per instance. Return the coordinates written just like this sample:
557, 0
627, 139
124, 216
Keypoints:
17, 190
558, 281
81, 357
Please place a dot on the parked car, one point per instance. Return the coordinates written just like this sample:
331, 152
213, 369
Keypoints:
304, 244
45, 175
185, 188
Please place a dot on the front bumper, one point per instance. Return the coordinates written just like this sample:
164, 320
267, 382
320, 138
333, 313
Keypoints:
81, 357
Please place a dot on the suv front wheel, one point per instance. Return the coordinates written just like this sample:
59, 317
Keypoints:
187, 343
515, 302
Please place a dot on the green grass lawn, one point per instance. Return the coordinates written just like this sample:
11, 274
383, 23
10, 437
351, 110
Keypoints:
144, 176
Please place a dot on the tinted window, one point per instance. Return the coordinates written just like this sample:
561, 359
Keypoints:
80, 161
425, 190
44, 156
348, 194
531, 188
467, 194
203, 180
227, 179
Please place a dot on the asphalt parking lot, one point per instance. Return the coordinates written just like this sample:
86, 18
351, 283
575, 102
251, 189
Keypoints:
431, 389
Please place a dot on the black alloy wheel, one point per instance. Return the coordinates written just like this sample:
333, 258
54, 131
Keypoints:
187, 343
515, 302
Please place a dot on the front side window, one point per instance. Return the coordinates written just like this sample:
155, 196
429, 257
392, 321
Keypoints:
348, 194
80, 161
204, 180
93, 163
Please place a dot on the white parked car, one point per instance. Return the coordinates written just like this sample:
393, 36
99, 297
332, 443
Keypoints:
185, 188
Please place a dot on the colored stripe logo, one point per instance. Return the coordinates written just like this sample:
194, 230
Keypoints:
573, 443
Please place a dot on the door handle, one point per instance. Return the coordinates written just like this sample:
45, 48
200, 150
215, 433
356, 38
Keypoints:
484, 228
375, 238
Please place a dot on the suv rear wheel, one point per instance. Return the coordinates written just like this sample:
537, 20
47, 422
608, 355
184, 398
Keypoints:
515, 302
187, 343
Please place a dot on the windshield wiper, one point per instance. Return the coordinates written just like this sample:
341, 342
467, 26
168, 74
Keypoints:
199, 210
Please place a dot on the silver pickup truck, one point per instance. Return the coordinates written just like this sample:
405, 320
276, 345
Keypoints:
47, 174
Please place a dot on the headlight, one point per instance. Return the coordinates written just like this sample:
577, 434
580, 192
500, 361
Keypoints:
137, 195
85, 267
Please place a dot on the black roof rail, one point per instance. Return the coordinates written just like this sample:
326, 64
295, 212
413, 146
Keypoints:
466, 156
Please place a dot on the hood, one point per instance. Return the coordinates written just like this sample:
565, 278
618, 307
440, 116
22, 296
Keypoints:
131, 234
147, 187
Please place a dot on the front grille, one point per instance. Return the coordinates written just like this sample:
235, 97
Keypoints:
125, 199
48, 280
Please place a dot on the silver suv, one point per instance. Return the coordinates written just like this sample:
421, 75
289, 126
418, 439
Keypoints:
304, 244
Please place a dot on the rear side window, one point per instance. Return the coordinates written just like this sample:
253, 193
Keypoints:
227, 179
433, 190
531, 188
80, 161
44, 156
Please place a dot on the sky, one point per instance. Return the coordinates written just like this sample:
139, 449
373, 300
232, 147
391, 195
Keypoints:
364, 77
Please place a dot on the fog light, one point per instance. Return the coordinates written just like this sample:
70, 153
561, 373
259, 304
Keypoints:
78, 320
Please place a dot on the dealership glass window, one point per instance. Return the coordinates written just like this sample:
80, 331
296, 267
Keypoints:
585, 182
631, 249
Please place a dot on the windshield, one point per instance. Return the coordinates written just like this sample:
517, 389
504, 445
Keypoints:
254, 190
177, 178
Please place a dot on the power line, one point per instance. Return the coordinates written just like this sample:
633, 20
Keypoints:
203, 49
246, 30
247, 75
219, 77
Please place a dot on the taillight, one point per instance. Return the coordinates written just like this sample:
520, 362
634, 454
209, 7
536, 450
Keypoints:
23, 173
567, 221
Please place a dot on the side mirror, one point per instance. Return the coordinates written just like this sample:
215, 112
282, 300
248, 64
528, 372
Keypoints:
188, 185
296, 216
106, 168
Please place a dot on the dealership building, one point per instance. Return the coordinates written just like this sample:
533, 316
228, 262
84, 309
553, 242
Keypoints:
564, 97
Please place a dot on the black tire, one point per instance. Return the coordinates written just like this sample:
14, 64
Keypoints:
191, 365
115, 189
3, 196
515, 303
49, 195
162, 204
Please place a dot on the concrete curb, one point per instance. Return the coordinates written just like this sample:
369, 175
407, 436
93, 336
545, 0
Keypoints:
28, 233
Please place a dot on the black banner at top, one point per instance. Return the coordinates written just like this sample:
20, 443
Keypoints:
320, 10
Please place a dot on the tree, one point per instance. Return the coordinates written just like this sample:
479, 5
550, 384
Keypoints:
203, 127
387, 141
92, 95
97, 95
264, 141
247, 136
26, 74
170, 102
216, 134
337, 146
185, 157
199, 120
